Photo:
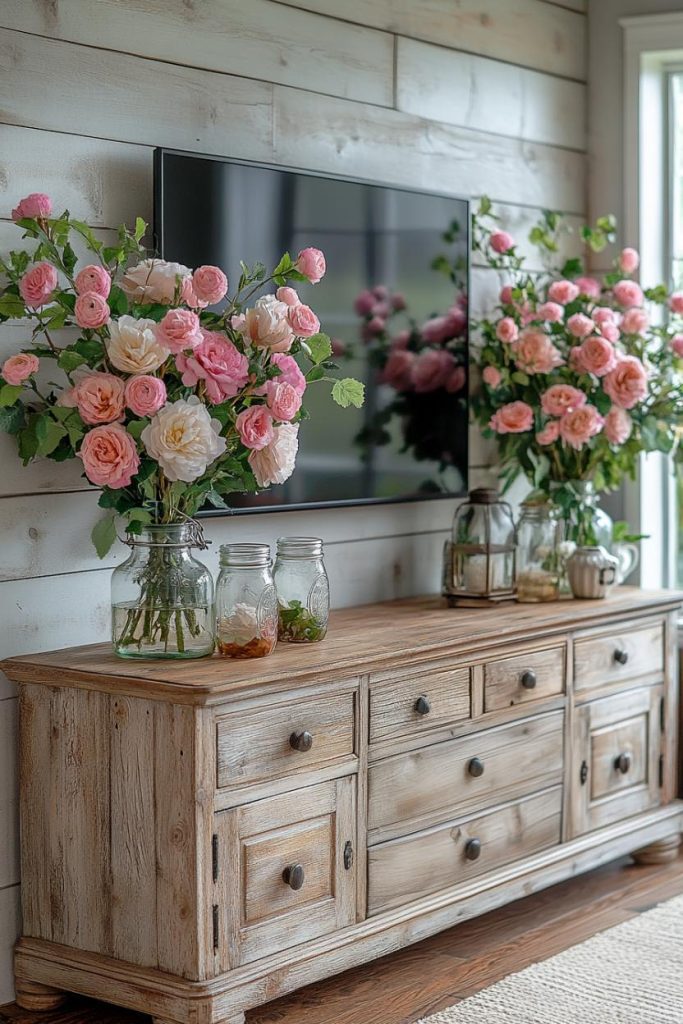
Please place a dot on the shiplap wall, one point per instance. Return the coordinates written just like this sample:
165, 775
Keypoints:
482, 96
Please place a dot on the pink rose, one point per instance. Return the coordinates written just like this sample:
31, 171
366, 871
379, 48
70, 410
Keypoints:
604, 315
275, 463
579, 425
575, 361
628, 293
398, 369
93, 279
580, 325
401, 340
289, 296
507, 330
216, 361
382, 309
676, 302
38, 284
457, 321
210, 284
589, 287
626, 384
373, 328
534, 352
188, 295
303, 321
179, 330
491, 376
91, 311
255, 427
267, 325
364, 304
380, 291
431, 369
550, 433
506, 295
629, 260
36, 206
502, 241
442, 328
283, 400
677, 344
16, 369
311, 263
597, 356
456, 381
289, 371
610, 331
513, 418
109, 455
563, 292
618, 424
550, 311
635, 321
99, 397
398, 302
561, 398
145, 394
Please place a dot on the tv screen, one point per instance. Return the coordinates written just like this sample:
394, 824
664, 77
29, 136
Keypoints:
394, 301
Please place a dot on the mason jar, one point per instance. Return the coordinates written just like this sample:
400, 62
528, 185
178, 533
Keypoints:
538, 562
303, 590
246, 602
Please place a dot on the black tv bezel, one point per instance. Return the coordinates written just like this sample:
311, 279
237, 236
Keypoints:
157, 234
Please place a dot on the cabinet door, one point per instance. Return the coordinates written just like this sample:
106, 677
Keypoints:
617, 751
286, 871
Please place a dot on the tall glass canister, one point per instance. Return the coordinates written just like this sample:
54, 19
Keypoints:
246, 602
303, 590
538, 562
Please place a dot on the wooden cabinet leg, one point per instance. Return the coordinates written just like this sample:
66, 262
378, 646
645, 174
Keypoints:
661, 852
31, 995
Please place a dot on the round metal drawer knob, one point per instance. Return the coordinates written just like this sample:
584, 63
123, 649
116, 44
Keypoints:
475, 768
302, 741
623, 763
473, 849
422, 705
293, 876
621, 656
528, 679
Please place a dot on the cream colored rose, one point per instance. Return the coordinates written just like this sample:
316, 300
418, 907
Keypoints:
133, 345
154, 280
266, 325
183, 439
275, 463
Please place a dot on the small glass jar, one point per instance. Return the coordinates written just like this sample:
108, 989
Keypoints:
538, 562
246, 602
303, 590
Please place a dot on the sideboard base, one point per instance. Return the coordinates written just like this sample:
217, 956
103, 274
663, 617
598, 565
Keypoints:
661, 852
31, 995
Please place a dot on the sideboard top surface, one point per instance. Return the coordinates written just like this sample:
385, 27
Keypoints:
360, 639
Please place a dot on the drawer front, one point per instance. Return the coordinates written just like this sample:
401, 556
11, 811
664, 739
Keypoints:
417, 702
286, 870
407, 869
427, 786
635, 651
524, 678
263, 743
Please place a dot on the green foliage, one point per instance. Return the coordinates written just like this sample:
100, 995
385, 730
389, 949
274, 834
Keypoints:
348, 391
103, 535
319, 348
9, 394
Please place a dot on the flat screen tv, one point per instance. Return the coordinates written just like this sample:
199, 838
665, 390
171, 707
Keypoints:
394, 301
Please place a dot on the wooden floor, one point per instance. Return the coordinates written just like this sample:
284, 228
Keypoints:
449, 967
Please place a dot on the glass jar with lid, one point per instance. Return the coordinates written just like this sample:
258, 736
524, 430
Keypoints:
538, 562
246, 602
479, 560
303, 590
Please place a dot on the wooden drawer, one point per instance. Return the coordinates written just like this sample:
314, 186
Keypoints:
404, 870
406, 704
635, 651
262, 908
422, 787
524, 678
259, 743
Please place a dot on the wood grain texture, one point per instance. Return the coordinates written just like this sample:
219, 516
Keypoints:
503, 685
35, 725
394, 696
595, 658
9, 792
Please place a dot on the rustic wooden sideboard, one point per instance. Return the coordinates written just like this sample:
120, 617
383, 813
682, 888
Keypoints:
198, 838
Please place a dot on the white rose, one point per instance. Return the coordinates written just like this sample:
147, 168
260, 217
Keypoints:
275, 463
267, 326
183, 439
241, 626
153, 280
133, 346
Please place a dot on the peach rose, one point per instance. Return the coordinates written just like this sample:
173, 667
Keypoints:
431, 369
626, 384
133, 346
552, 312
93, 279
513, 418
154, 280
628, 293
563, 292
210, 284
255, 427
266, 325
275, 463
507, 330
303, 321
629, 260
283, 400
290, 296
99, 397
579, 425
38, 284
36, 206
561, 398
18, 368
534, 352
145, 395
491, 376
109, 456
618, 425
676, 303
549, 434
178, 330
398, 370
311, 263
580, 325
289, 371
597, 356
502, 241
635, 321
91, 311
589, 287
184, 439
216, 361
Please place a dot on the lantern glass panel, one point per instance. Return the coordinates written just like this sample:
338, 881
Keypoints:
483, 550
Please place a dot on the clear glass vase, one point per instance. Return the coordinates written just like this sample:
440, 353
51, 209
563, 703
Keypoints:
585, 523
162, 597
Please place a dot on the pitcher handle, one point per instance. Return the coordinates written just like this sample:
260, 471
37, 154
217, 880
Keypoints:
628, 556
608, 575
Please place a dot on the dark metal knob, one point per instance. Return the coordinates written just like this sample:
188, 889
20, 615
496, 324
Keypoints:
621, 655
422, 705
623, 763
302, 741
293, 876
473, 849
528, 679
475, 768
583, 773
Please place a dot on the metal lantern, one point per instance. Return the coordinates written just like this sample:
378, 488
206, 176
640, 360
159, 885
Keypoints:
479, 560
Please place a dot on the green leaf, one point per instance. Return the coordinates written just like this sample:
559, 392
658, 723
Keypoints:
104, 534
214, 498
572, 268
118, 303
68, 258
49, 433
140, 228
348, 391
315, 373
12, 305
85, 232
69, 360
135, 427
12, 419
520, 378
139, 515
284, 265
9, 394
91, 349
320, 347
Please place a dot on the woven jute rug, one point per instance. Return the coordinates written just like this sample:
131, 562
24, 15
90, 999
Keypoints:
630, 974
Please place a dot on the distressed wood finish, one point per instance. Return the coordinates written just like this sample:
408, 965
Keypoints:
596, 659
394, 696
506, 682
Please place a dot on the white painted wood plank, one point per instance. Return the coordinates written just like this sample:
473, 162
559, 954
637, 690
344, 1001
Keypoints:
528, 32
346, 138
47, 83
258, 39
492, 96
10, 923
572, 5
9, 824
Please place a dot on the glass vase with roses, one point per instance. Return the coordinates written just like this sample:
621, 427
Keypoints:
579, 376
171, 393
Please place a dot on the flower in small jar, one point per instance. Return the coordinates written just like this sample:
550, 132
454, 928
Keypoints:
635, 321
513, 418
99, 397
549, 434
628, 260
588, 287
266, 325
288, 295
618, 425
218, 363
597, 356
676, 303
93, 279
626, 384
456, 380
677, 345
91, 311
551, 312
563, 292
275, 463
580, 325
283, 400
507, 330
37, 285
431, 370
303, 320
18, 368
491, 375
35, 206
210, 284
311, 263
398, 370
578, 426
154, 280
255, 427
179, 330
133, 346
628, 293
534, 352
184, 439
144, 394
502, 242
561, 398
110, 457
289, 371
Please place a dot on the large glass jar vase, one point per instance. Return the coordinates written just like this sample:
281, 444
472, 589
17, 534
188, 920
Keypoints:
585, 523
162, 597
